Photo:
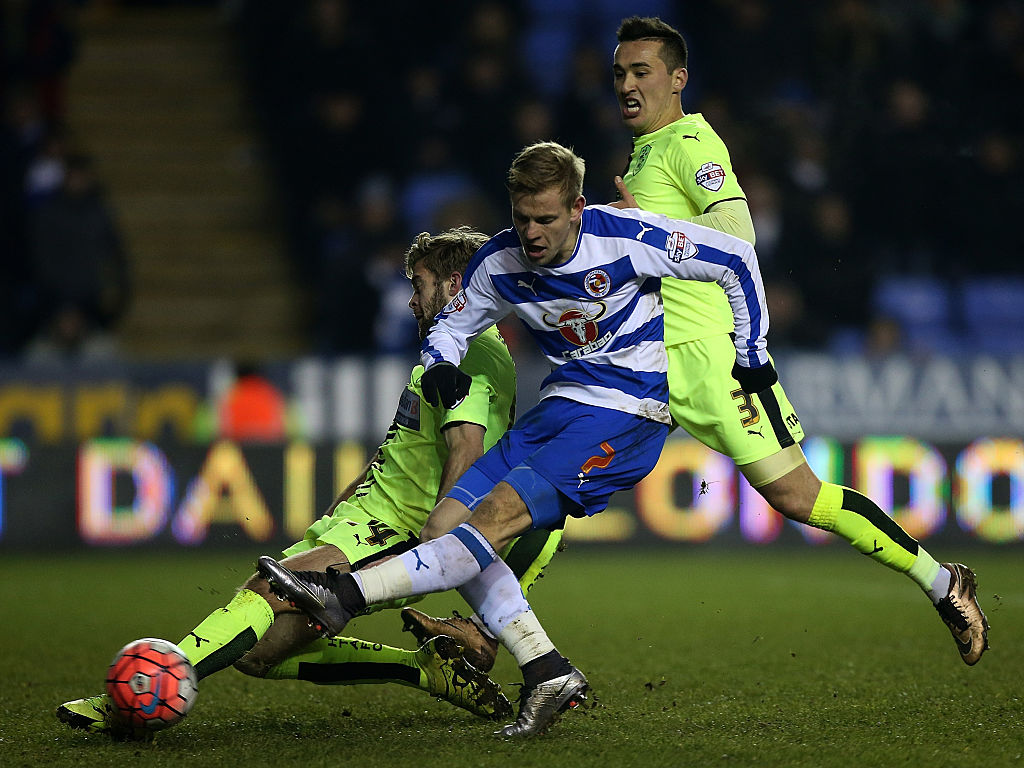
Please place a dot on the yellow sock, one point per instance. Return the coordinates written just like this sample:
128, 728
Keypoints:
852, 515
228, 633
347, 661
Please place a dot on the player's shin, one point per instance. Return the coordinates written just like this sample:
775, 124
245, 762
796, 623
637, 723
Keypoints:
434, 566
852, 515
498, 599
228, 633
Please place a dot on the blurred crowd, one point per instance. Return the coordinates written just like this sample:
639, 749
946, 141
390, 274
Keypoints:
63, 270
877, 141
874, 138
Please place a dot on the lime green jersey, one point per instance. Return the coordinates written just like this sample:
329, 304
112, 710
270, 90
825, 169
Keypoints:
404, 477
682, 170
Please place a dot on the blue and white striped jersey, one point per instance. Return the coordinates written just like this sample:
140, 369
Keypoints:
598, 318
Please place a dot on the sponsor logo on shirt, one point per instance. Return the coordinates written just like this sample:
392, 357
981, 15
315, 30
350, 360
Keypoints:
710, 176
408, 413
457, 304
597, 283
579, 326
679, 247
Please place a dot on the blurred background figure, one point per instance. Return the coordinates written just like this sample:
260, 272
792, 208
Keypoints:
252, 410
79, 268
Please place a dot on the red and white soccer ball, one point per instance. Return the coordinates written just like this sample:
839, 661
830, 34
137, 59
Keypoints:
152, 683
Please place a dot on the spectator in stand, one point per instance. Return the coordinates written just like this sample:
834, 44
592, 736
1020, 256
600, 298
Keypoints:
80, 269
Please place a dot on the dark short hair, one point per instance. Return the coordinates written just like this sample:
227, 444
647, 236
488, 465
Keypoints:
673, 48
447, 252
544, 165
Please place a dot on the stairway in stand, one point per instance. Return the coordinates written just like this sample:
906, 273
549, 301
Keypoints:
157, 98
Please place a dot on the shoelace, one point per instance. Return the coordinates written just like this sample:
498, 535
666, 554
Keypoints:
953, 613
322, 579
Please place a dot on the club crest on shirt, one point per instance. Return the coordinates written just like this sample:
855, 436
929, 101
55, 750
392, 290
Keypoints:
642, 158
679, 247
597, 283
578, 326
710, 176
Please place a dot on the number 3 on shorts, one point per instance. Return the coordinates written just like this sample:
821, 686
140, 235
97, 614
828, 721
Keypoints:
746, 406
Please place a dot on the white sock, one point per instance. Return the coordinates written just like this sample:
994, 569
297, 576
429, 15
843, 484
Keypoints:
525, 638
434, 566
940, 586
496, 596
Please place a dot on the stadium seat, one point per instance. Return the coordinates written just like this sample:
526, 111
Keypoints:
912, 300
923, 307
993, 313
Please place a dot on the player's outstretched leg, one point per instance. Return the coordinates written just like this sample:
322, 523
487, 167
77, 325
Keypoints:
542, 703
437, 667
315, 593
952, 587
219, 640
960, 611
478, 649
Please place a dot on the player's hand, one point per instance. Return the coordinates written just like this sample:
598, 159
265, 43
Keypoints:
444, 382
627, 200
754, 380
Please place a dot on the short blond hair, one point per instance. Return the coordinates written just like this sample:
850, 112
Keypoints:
444, 253
544, 165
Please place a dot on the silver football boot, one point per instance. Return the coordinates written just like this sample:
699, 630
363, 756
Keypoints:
541, 706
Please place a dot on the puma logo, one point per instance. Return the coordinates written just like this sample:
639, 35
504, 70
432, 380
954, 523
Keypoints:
643, 230
876, 549
524, 284
757, 432
419, 561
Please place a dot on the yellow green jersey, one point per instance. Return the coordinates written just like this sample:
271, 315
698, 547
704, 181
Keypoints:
682, 170
402, 482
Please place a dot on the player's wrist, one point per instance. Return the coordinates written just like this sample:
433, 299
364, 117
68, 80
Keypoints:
754, 380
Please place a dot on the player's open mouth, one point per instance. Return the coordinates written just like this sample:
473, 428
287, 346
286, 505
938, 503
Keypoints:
534, 251
630, 108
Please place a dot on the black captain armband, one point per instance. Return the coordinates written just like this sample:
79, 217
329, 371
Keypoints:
445, 382
754, 380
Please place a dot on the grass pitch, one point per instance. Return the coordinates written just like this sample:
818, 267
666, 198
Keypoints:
697, 657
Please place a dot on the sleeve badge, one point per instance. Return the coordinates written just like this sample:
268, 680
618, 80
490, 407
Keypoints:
710, 176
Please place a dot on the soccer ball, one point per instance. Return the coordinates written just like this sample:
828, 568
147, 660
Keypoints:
152, 684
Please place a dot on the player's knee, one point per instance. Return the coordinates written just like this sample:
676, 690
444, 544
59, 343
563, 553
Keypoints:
792, 502
253, 664
432, 529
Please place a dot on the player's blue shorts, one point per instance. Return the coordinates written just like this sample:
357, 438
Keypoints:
566, 459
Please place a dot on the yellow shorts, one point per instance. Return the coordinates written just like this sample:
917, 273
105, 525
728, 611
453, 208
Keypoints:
362, 537
706, 401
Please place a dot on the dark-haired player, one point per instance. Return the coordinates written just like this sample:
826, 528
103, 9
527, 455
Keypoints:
681, 168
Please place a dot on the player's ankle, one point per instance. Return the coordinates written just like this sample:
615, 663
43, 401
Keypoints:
346, 589
546, 667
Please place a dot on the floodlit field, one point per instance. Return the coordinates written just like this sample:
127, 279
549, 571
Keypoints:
697, 657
